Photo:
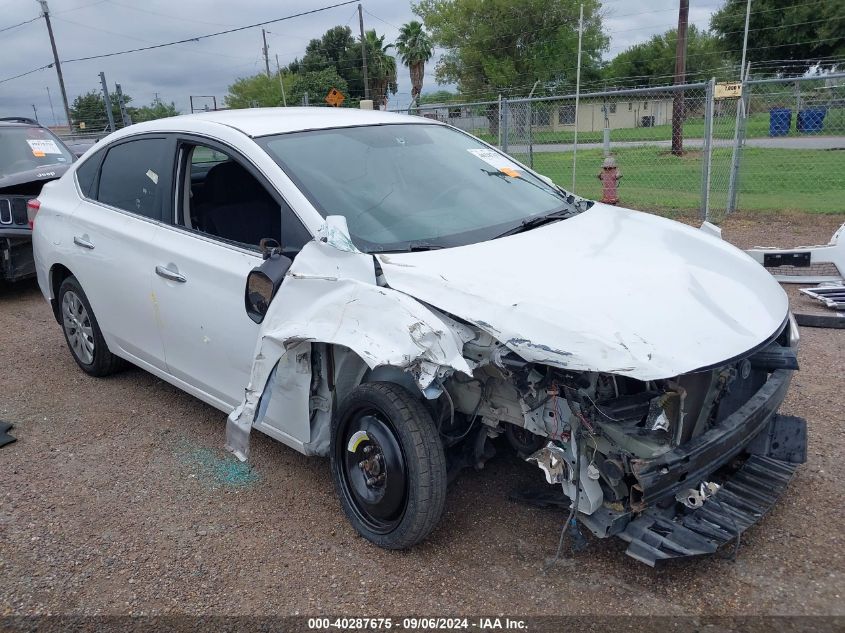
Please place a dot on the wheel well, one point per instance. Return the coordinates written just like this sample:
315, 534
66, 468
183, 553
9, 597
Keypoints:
58, 273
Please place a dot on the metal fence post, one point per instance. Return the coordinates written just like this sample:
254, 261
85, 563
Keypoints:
706, 152
739, 140
499, 126
107, 99
127, 120
505, 114
530, 138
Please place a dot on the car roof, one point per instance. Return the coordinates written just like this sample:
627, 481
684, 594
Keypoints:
17, 124
263, 121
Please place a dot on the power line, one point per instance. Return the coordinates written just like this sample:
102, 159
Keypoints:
28, 72
138, 39
14, 26
208, 35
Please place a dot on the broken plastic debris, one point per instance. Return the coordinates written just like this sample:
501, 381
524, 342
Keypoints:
693, 498
551, 461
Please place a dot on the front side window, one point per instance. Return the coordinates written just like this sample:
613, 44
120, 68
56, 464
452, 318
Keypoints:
222, 198
133, 175
402, 186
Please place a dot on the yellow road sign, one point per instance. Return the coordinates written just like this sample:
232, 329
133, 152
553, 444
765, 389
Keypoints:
335, 97
728, 90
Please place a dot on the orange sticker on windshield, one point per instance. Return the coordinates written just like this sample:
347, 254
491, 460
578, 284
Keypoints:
37, 153
509, 172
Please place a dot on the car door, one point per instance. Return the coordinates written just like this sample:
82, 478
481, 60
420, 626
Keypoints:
202, 259
124, 192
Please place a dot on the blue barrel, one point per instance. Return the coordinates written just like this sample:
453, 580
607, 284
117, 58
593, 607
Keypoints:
780, 120
810, 120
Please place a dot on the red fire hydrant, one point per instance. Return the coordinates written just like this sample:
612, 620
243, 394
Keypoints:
609, 176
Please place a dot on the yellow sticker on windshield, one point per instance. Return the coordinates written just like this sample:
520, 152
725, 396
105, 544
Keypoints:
509, 172
37, 154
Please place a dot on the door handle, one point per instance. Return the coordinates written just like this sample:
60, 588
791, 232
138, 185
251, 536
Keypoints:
83, 242
171, 275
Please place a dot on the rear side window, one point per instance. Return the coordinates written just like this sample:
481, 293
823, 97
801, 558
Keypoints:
133, 175
86, 174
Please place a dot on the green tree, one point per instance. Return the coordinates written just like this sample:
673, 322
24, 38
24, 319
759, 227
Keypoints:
336, 49
652, 63
440, 96
381, 67
415, 47
157, 109
90, 109
783, 35
497, 46
316, 84
259, 91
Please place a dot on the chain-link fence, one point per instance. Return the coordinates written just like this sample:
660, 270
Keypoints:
734, 152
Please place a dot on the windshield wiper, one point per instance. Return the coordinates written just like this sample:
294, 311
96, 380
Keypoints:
414, 247
532, 223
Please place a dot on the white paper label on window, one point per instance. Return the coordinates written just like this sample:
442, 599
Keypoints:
43, 146
152, 176
497, 161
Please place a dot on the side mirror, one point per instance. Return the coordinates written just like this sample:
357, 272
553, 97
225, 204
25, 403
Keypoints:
263, 282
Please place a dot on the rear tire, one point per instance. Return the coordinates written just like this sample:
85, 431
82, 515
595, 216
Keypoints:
388, 465
82, 332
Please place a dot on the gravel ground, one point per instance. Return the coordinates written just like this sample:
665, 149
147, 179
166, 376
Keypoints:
117, 498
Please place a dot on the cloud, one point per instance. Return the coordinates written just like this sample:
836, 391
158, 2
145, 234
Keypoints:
92, 27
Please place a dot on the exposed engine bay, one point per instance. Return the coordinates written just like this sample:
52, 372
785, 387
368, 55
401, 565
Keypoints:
596, 435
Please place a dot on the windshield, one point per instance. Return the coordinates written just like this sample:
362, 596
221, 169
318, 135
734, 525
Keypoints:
25, 148
406, 186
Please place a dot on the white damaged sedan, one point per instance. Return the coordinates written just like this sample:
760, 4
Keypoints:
397, 295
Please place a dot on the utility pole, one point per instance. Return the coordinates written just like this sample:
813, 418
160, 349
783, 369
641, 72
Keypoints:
266, 52
107, 99
46, 12
363, 52
281, 83
680, 78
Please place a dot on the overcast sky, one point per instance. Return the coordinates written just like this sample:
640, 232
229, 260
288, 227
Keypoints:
91, 27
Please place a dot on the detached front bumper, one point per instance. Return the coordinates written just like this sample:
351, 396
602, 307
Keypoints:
691, 463
772, 447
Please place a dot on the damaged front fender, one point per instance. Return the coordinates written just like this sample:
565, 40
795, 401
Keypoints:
330, 296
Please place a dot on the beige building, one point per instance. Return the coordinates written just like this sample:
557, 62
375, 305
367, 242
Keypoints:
643, 112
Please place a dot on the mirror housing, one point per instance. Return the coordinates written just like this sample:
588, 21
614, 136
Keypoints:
263, 283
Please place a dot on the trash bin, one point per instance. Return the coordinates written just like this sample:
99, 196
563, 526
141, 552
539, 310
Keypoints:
647, 121
810, 120
780, 120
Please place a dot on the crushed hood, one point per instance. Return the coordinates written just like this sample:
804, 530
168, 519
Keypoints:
610, 290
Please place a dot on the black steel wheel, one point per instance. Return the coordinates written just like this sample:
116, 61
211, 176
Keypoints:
388, 465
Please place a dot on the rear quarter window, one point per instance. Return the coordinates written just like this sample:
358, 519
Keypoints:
86, 174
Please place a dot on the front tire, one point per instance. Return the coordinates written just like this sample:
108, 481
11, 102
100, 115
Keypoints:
388, 465
82, 332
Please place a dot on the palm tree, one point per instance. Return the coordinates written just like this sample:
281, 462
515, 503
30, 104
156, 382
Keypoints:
416, 48
381, 67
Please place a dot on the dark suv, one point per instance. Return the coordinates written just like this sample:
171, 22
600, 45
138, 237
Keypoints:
30, 155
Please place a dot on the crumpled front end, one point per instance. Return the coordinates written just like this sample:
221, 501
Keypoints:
677, 467
330, 305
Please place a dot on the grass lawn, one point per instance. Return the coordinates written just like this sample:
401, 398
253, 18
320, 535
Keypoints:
758, 127
810, 181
